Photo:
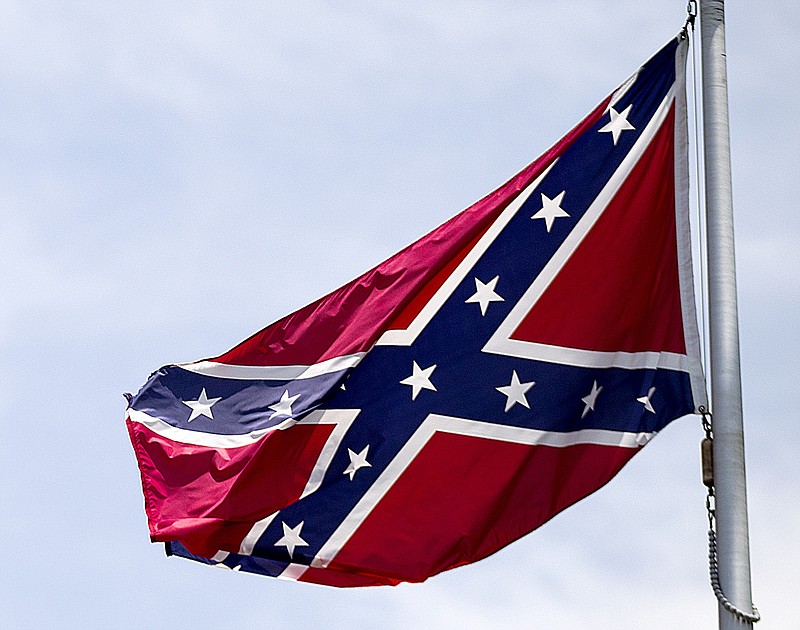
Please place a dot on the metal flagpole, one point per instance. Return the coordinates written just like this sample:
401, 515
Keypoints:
733, 547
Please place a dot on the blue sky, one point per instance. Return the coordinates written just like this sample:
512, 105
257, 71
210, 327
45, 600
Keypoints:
177, 175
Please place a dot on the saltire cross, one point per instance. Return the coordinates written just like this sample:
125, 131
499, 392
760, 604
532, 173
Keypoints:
463, 392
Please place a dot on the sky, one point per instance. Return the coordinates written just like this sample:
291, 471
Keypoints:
175, 176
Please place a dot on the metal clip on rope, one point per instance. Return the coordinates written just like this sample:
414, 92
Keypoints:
691, 10
713, 566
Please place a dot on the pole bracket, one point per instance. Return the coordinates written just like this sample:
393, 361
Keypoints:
691, 14
713, 566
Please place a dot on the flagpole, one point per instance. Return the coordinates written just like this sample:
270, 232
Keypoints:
733, 547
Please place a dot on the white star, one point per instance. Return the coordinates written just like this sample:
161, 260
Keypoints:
551, 209
291, 538
201, 406
357, 460
484, 293
590, 399
420, 379
617, 124
284, 406
645, 400
515, 392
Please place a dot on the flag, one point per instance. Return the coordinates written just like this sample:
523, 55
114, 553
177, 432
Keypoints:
461, 393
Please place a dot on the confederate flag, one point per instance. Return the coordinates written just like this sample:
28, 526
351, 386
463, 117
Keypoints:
463, 392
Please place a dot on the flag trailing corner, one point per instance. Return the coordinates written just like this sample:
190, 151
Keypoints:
461, 393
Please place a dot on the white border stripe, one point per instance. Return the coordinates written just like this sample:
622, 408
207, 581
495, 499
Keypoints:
435, 423
273, 372
622, 90
293, 571
589, 358
249, 542
685, 267
342, 418
407, 336
185, 436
